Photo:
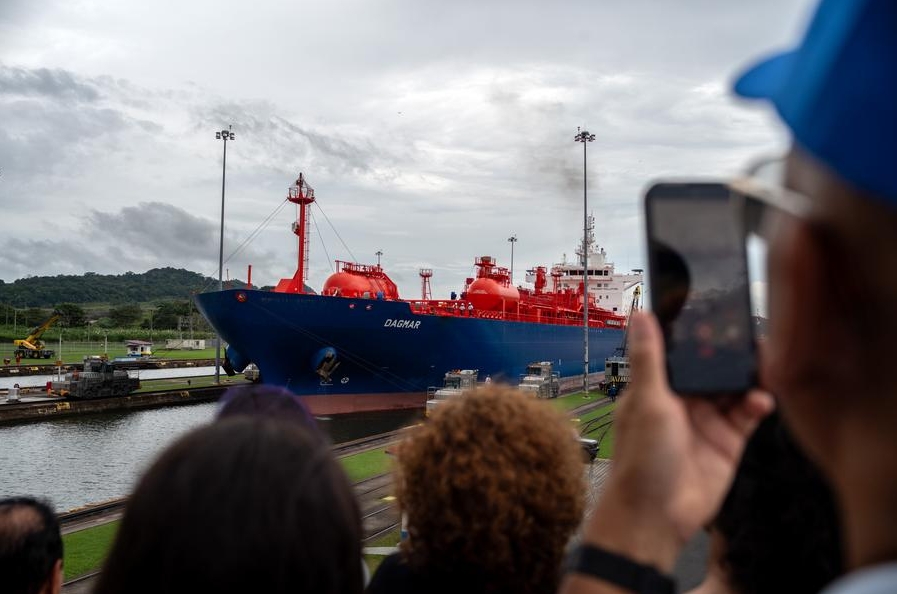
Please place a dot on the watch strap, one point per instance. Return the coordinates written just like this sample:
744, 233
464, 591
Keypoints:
619, 570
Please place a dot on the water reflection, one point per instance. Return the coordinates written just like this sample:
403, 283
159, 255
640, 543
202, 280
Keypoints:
78, 460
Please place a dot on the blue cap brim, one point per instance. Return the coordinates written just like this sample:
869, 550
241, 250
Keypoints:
764, 79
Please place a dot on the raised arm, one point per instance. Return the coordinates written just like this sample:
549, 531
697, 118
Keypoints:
673, 463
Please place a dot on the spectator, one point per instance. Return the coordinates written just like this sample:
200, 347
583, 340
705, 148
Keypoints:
264, 400
30, 547
777, 530
493, 487
675, 459
244, 505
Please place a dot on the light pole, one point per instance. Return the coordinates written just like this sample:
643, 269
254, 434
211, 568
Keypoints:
584, 137
224, 135
378, 253
512, 239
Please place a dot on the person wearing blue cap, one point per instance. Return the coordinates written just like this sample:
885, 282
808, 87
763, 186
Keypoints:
832, 276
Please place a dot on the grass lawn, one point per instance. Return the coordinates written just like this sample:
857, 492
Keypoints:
571, 401
74, 352
365, 465
604, 434
86, 550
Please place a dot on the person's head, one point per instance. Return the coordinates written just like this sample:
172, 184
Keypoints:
493, 487
779, 523
30, 547
246, 504
264, 401
832, 285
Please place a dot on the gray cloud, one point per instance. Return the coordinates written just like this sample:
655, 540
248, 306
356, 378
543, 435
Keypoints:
45, 82
430, 130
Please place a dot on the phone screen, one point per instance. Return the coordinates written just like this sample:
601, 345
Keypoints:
699, 288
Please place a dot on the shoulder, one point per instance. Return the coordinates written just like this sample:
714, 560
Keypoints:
880, 579
393, 575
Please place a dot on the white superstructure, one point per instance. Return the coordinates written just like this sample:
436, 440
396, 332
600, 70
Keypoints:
611, 290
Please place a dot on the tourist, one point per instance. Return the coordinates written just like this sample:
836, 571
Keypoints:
832, 322
777, 530
492, 487
247, 504
264, 400
30, 547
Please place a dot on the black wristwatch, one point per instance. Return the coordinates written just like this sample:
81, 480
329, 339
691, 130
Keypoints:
619, 570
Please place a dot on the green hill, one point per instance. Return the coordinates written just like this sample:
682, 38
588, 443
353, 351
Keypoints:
152, 285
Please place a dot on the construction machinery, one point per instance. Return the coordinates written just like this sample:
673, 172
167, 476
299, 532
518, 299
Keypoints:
540, 380
616, 367
32, 347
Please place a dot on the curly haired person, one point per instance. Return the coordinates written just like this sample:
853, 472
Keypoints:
493, 489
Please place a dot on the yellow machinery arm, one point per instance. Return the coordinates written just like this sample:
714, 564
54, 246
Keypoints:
32, 341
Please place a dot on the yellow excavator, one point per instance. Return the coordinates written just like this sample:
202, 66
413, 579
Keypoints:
32, 347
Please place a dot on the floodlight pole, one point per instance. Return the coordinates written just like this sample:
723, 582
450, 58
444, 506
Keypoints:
584, 137
512, 239
224, 135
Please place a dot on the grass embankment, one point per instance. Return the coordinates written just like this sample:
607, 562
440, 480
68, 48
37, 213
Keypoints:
86, 550
186, 383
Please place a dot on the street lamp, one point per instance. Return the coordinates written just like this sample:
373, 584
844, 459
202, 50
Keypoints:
513, 240
584, 137
224, 135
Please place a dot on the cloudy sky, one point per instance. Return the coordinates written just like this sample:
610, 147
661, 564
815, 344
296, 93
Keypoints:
430, 130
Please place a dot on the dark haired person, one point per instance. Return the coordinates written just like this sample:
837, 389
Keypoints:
247, 504
30, 547
266, 401
777, 530
832, 257
492, 487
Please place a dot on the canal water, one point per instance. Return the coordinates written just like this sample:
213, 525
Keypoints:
87, 459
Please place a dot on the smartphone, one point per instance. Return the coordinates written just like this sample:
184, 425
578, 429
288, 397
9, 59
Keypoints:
699, 288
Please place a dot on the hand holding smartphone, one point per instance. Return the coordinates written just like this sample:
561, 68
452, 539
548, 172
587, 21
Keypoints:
699, 288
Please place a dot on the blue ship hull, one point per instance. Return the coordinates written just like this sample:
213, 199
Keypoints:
382, 347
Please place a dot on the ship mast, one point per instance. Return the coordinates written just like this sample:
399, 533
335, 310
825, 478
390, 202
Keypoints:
302, 195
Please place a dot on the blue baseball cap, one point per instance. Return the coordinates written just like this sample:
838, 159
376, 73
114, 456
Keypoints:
837, 91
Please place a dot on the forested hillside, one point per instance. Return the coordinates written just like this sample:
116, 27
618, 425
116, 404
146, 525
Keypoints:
155, 284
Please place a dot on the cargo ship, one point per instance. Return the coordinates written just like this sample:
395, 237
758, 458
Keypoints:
358, 346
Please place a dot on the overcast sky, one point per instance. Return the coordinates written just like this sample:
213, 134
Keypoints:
430, 130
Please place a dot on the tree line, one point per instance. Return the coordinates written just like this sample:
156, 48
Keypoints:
116, 289
164, 315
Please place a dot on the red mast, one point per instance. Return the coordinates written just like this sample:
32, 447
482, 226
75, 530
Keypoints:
302, 195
